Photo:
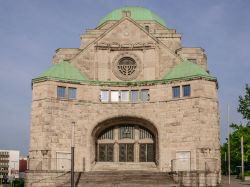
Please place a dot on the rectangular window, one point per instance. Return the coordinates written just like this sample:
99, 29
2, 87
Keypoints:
72, 93
145, 95
134, 96
106, 152
125, 95
176, 91
104, 96
114, 96
126, 152
61, 92
146, 153
193, 60
186, 90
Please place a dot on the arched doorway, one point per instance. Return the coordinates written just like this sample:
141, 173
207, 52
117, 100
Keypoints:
126, 139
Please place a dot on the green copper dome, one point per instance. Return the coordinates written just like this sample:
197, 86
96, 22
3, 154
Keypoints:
187, 69
63, 71
137, 14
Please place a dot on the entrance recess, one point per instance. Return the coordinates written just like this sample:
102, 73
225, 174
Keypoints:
125, 143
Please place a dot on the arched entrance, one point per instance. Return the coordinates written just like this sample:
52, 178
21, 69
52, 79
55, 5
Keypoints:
126, 139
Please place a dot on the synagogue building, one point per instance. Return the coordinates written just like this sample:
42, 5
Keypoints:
130, 100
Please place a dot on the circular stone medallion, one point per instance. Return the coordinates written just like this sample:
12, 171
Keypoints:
126, 66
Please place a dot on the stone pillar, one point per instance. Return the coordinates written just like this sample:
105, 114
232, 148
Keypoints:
136, 149
116, 145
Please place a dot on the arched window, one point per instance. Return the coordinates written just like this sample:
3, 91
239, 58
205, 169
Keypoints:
126, 143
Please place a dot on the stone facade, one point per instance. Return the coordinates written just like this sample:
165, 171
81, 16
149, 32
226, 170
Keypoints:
185, 129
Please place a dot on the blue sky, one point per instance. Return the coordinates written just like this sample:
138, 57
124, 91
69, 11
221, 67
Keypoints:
31, 31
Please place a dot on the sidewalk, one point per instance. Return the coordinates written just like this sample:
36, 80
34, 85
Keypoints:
234, 182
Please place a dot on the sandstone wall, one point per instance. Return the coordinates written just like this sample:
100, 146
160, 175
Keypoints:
183, 124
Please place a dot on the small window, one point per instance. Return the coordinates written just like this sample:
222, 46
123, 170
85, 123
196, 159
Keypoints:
72, 93
134, 96
104, 96
114, 96
61, 92
194, 60
176, 91
145, 95
186, 90
125, 95
147, 28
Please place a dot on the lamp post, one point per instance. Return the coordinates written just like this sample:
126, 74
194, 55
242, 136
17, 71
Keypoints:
242, 159
72, 154
228, 148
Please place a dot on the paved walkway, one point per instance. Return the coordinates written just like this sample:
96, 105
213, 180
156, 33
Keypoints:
234, 182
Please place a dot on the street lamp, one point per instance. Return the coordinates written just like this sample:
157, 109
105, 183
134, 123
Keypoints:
72, 154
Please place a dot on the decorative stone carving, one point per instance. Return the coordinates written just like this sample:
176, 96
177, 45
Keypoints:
126, 66
123, 46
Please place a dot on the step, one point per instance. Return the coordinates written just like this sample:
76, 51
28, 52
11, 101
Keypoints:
123, 179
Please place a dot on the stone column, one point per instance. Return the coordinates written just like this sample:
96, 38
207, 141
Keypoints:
116, 145
136, 149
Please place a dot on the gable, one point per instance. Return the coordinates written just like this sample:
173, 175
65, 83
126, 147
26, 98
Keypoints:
97, 59
126, 32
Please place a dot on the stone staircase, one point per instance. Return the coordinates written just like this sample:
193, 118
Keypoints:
123, 179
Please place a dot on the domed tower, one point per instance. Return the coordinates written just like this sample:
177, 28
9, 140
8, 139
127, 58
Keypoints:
130, 100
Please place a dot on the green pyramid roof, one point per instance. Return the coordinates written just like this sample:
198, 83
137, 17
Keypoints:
137, 14
187, 70
63, 71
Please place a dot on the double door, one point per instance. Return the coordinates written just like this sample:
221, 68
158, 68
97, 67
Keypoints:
126, 152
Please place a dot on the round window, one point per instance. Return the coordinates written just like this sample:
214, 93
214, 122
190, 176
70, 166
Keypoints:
126, 66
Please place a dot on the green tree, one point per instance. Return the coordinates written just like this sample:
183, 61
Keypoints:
244, 106
235, 138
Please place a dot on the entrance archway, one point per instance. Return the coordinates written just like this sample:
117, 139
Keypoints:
126, 139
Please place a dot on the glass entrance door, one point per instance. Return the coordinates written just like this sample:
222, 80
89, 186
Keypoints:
106, 152
146, 152
126, 152
125, 143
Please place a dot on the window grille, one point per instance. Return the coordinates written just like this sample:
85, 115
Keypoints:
126, 152
126, 132
106, 152
144, 133
108, 134
126, 66
147, 153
